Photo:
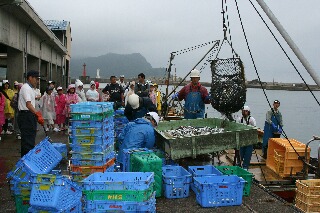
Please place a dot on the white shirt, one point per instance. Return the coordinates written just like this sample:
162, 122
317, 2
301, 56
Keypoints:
92, 95
251, 120
26, 94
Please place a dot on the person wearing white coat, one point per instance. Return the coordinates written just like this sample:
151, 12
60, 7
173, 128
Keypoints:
92, 94
80, 91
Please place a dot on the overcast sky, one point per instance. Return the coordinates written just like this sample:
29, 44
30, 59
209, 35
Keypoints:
157, 28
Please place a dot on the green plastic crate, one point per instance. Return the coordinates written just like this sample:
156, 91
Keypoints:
148, 162
119, 195
236, 170
22, 203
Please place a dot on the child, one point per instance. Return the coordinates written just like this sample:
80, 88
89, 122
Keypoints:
14, 105
60, 106
71, 98
2, 116
105, 96
47, 103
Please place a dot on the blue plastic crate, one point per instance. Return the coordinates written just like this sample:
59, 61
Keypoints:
20, 187
176, 181
91, 147
92, 155
106, 158
199, 171
90, 107
107, 122
223, 190
76, 208
92, 131
62, 149
119, 181
40, 160
121, 206
97, 140
54, 193
110, 169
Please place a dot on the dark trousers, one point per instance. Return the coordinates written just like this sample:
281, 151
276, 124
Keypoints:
28, 127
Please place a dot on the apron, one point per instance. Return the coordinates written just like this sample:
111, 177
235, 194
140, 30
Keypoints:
194, 106
269, 130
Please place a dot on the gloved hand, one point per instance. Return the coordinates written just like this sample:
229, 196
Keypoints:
208, 98
280, 130
175, 96
274, 126
40, 118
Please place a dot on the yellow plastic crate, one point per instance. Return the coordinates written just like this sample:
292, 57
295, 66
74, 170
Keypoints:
282, 158
308, 199
309, 187
305, 207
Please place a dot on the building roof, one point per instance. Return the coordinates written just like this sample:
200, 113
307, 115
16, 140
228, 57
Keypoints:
56, 25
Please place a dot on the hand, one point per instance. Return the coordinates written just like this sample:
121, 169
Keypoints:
207, 98
40, 118
175, 96
280, 130
274, 126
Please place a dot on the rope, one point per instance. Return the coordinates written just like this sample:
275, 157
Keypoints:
255, 68
285, 53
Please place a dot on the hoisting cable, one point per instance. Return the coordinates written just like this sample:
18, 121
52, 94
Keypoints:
254, 65
214, 46
228, 27
284, 134
285, 53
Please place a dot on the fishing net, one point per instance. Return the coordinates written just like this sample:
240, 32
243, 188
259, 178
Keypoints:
228, 89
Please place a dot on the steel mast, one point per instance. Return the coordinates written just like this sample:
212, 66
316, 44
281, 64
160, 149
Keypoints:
289, 41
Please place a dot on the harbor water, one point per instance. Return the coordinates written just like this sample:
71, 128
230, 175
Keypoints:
300, 111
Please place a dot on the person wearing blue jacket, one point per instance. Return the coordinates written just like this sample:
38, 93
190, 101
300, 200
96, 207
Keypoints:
137, 107
272, 126
139, 133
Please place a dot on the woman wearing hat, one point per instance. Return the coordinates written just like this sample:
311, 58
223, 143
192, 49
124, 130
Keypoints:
92, 94
47, 103
8, 110
71, 98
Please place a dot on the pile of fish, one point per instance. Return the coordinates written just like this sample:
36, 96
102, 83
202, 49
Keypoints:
189, 131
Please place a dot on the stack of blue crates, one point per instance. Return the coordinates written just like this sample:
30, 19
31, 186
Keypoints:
40, 160
120, 120
92, 137
119, 192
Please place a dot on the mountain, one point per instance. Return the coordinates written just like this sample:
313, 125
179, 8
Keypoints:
129, 65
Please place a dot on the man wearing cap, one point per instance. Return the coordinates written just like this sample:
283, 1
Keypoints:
116, 92
28, 116
122, 83
137, 107
139, 133
195, 96
272, 126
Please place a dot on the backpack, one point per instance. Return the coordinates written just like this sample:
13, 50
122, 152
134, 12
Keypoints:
14, 101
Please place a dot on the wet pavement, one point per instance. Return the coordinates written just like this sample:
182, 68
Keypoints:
258, 201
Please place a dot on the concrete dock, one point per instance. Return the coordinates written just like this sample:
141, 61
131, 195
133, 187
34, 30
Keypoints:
258, 201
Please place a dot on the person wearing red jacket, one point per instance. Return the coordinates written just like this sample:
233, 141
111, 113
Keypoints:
195, 96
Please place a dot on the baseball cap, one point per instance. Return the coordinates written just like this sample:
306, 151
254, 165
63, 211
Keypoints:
51, 82
276, 102
121, 76
59, 88
33, 73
